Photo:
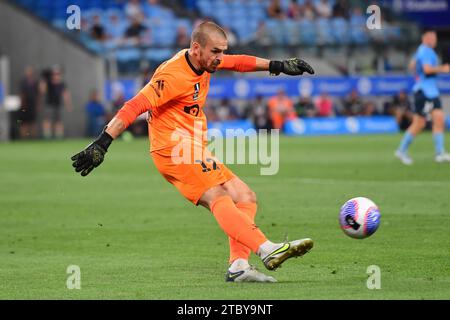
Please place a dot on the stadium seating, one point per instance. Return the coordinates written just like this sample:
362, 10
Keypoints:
243, 18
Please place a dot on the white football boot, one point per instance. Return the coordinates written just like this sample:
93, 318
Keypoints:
443, 157
249, 274
404, 158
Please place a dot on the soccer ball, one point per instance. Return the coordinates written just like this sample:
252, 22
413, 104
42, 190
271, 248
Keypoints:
359, 218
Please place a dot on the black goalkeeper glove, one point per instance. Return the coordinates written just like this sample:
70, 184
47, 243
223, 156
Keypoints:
292, 67
91, 157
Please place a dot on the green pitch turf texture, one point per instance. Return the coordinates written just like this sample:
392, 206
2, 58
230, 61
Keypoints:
134, 237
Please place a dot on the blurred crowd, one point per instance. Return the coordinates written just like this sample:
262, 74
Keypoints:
136, 33
45, 96
137, 25
309, 9
273, 112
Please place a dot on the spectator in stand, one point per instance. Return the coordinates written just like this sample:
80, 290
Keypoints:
369, 109
281, 109
341, 9
294, 10
118, 98
57, 95
352, 105
135, 31
183, 39
323, 9
97, 31
226, 111
305, 107
96, 115
133, 9
400, 107
258, 113
324, 106
274, 10
29, 104
209, 111
308, 10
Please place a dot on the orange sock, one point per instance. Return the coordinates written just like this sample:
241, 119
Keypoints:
237, 249
236, 224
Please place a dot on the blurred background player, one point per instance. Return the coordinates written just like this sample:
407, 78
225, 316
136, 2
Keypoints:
96, 114
56, 96
426, 99
281, 109
29, 99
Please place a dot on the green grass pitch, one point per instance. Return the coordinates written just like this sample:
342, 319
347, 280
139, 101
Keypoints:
134, 237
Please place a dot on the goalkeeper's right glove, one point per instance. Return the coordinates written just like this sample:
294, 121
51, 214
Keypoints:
292, 67
92, 156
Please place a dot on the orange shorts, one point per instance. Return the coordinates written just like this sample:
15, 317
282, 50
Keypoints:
192, 178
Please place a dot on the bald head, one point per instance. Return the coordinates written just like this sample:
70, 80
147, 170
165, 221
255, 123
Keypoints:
205, 31
208, 43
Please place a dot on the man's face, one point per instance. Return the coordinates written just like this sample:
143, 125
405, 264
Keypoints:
56, 76
211, 54
431, 39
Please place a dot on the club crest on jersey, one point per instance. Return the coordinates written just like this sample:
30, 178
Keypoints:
192, 110
196, 90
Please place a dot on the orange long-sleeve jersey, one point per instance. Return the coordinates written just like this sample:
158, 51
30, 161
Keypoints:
175, 97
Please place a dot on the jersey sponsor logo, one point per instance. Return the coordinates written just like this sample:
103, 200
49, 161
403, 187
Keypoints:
160, 84
159, 87
192, 110
196, 90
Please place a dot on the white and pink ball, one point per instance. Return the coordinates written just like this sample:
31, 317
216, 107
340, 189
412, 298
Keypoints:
359, 218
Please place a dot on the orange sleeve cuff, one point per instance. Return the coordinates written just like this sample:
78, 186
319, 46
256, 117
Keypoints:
239, 63
133, 108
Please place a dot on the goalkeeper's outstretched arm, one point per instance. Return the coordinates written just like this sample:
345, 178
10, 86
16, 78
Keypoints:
246, 63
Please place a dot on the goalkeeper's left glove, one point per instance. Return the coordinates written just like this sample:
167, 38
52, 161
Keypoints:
292, 67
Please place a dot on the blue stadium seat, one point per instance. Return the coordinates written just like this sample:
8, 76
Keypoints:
118, 30
156, 56
224, 17
163, 36
324, 31
358, 33
292, 31
205, 7
185, 23
339, 27
128, 54
276, 31
307, 32
128, 60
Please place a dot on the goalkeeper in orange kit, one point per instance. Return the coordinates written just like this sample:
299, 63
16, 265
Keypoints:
175, 97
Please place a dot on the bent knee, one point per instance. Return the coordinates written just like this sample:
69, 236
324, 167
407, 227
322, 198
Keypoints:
248, 196
210, 196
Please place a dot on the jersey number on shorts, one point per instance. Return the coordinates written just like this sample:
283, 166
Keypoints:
205, 167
